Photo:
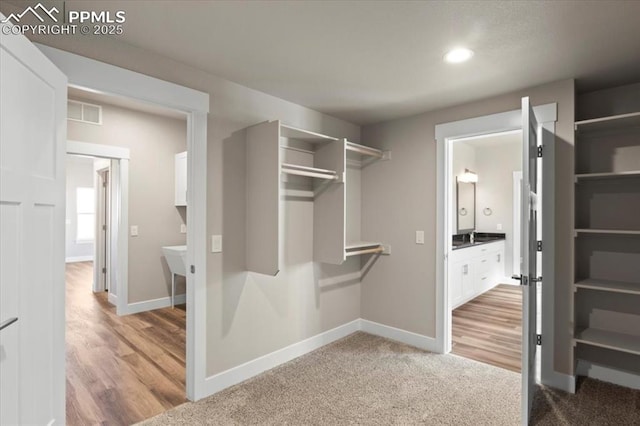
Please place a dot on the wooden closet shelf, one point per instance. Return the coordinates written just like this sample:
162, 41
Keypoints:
608, 175
609, 339
304, 135
620, 121
608, 231
608, 285
294, 169
364, 150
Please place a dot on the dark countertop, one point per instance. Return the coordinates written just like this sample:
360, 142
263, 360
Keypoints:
461, 241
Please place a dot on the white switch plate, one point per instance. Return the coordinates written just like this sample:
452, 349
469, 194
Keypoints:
134, 230
499, 227
183, 228
419, 237
216, 244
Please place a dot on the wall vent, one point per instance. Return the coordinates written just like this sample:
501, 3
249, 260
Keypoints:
84, 112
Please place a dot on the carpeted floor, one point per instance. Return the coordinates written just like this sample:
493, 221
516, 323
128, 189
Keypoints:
367, 380
363, 379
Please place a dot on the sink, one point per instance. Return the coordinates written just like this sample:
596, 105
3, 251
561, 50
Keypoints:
176, 258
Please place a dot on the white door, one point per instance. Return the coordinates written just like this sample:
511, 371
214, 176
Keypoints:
528, 250
33, 95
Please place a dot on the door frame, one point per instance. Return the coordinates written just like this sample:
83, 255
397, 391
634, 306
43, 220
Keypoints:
495, 123
517, 189
101, 247
104, 78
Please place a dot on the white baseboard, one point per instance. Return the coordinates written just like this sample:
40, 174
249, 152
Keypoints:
150, 305
74, 259
509, 280
399, 335
113, 299
560, 381
235, 375
608, 374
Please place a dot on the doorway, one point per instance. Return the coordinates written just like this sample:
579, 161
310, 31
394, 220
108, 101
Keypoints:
485, 302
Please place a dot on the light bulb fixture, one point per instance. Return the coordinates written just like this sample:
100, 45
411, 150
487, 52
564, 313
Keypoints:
468, 177
458, 55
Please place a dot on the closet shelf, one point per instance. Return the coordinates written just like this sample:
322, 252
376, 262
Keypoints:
362, 247
608, 175
364, 150
609, 123
294, 169
608, 231
610, 340
608, 285
304, 135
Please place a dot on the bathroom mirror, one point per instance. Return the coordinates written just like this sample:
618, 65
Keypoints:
466, 205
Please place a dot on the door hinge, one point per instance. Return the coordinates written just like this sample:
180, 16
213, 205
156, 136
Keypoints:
539, 339
104, 227
193, 269
540, 151
104, 270
539, 246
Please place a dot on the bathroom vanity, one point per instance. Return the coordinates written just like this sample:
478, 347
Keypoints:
475, 267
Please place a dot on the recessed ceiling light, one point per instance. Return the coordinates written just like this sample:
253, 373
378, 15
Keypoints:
458, 55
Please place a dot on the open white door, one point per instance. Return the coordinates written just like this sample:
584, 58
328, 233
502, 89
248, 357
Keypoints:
33, 94
528, 250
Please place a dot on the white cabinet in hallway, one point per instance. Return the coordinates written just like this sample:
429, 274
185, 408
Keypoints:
474, 270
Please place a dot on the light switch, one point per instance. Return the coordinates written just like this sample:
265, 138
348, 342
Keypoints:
499, 227
216, 244
419, 237
134, 230
183, 228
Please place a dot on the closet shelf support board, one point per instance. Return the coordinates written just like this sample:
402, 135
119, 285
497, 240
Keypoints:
294, 169
610, 340
365, 150
608, 175
608, 231
615, 122
608, 285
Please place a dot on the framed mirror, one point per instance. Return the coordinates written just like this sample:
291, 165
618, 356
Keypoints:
466, 205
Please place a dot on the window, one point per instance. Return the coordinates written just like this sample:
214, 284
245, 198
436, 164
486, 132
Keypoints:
86, 211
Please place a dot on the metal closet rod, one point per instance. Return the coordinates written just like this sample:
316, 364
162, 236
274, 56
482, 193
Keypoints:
378, 249
309, 171
361, 149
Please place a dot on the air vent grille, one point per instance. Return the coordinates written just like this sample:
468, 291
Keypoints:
84, 112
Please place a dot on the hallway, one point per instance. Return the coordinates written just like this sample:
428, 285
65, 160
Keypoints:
120, 370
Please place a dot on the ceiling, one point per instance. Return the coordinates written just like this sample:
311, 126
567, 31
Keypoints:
369, 61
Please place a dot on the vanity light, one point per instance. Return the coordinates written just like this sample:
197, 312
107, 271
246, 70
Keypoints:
468, 177
459, 55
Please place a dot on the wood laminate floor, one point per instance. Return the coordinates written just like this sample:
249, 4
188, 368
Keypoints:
489, 328
120, 370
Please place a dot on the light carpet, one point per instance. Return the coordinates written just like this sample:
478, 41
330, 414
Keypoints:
365, 380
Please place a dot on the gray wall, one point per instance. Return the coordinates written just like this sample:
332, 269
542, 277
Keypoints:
495, 166
247, 315
400, 290
153, 142
79, 174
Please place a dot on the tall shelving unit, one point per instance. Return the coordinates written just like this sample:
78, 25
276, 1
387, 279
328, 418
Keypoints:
327, 166
607, 244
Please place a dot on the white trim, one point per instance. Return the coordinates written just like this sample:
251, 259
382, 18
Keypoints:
413, 339
252, 368
515, 229
608, 374
150, 305
104, 78
560, 381
74, 259
495, 123
112, 298
97, 150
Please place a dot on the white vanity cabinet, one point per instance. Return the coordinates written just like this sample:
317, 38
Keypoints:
474, 270
181, 179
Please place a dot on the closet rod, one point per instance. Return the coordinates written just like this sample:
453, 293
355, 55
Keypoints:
293, 169
291, 148
361, 149
365, 251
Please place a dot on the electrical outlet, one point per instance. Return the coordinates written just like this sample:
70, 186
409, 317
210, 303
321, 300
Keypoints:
499, 227
134, 230
183, 228
419, 237
216, 244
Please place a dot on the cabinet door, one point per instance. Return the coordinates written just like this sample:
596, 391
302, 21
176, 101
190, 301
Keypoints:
468, 279
455, 284
181, 179
483, 274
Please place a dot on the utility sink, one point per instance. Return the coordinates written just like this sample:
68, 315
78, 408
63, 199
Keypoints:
176, 258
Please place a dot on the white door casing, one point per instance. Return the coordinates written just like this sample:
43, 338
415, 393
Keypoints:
32, 202
529, 254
